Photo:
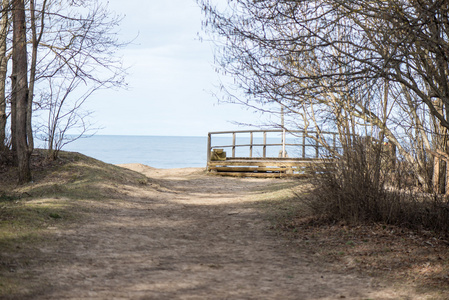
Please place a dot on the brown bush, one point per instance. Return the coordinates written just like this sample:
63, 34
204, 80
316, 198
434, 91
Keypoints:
366, 185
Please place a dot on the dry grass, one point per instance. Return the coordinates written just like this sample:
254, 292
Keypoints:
410, 259
417, 258
26, 212
364, 187
359, 217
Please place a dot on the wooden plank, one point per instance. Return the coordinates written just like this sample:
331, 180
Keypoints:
249, 169
271, 166
270, 130
258, 175
275, 159
247, 174
283, 144
260, 164
282, 171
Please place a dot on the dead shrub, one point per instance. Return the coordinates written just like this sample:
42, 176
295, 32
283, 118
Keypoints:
366, 185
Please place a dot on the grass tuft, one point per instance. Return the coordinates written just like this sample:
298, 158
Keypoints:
51, 201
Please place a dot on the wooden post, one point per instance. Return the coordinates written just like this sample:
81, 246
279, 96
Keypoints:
283, 143
264, 144
304, 144
209, 146
233, 144
251, 145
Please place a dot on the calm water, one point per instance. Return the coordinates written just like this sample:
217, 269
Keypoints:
165, 151
155, 151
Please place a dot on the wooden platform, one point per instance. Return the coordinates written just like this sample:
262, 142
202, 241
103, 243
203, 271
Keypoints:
222, 159
264, 167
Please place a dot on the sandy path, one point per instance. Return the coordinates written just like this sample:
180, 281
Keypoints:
186, 236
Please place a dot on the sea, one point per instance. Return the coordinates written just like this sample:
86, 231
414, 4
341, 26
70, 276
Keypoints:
165, 152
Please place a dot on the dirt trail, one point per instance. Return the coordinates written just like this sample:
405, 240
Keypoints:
186, 236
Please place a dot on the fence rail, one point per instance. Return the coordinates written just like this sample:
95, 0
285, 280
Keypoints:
309, 143
305, 137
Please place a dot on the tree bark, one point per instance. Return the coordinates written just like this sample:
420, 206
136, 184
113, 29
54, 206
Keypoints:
20, 73
4, 28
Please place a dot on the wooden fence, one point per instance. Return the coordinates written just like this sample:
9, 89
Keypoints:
274, 160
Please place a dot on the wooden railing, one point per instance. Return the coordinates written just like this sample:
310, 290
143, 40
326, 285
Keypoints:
274, 163
308, 139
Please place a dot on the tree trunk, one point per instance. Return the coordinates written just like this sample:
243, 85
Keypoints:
35, 39
20, 73
4, 28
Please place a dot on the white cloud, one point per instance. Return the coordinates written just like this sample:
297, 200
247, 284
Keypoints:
170, 76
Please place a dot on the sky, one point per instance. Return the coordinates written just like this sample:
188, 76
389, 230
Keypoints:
171, 76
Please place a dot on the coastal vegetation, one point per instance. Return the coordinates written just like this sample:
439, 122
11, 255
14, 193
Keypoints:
79, 209
57, 197
61, 52
376, 72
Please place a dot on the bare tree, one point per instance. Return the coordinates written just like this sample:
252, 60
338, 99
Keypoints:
72, 54
63, 112
77, 44
4, 58
36, 38
360, 65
